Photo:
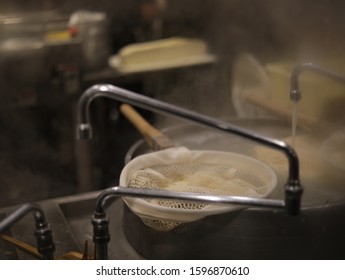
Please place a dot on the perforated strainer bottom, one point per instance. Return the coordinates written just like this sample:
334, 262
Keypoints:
200, 172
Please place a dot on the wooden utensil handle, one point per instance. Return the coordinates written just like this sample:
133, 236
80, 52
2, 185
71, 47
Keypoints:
155, 139
146, 129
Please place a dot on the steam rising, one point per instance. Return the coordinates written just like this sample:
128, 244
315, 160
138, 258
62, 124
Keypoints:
32, 162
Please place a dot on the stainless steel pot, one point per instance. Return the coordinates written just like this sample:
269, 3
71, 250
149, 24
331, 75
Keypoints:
251, 233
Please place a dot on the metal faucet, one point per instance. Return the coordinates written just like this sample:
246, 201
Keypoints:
295, 94
43, 232
293, 188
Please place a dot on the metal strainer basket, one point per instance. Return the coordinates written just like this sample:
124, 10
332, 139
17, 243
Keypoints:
193, 171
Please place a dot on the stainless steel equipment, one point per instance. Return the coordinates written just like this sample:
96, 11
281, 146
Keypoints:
39, 57
91, 28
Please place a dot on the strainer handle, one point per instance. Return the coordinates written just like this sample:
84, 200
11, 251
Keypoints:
154, 138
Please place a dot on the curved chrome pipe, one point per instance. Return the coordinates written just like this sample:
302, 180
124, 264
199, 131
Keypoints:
295, 94
43, 233
162, 194
20, 213
293, 188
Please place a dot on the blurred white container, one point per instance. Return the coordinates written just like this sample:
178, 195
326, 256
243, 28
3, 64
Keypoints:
92, 29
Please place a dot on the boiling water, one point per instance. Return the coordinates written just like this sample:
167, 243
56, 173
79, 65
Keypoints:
294, 122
